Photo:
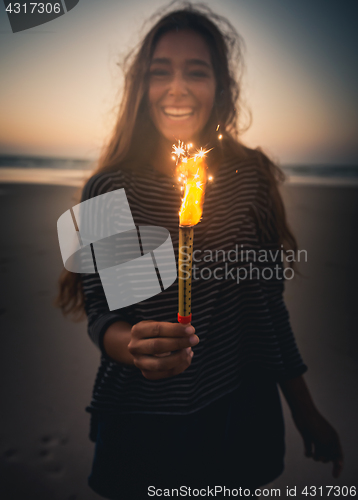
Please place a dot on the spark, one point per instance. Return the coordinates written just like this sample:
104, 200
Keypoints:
179, 150
201, 153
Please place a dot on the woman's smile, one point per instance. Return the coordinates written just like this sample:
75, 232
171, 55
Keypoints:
176, 113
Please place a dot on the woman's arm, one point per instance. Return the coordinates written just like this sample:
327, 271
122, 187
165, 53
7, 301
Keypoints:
321, 441
297, 395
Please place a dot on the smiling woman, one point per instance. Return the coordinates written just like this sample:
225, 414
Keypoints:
167, 408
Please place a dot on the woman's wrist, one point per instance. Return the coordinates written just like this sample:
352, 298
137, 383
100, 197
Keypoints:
298, 396
116, 340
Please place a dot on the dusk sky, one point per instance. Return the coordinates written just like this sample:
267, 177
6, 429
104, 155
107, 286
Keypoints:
59, 81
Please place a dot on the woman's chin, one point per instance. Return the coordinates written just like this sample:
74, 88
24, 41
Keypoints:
181, 135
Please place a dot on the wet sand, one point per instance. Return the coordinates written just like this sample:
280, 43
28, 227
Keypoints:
48, 363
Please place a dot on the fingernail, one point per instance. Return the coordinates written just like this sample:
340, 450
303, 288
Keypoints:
188, 349
193, 339
192, 353
189, 329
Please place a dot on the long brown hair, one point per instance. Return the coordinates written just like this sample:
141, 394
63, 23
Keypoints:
134, 136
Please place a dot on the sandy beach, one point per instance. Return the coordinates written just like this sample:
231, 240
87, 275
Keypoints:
48, 363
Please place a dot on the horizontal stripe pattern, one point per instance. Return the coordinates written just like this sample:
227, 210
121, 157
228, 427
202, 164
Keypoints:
242, 324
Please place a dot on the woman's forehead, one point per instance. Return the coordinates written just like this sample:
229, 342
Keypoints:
182, 45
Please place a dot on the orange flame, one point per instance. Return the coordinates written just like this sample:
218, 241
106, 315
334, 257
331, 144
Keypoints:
192, 172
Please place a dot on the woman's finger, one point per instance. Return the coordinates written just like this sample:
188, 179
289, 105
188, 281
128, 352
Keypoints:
338, 460
337, 467
159, 345
152, 329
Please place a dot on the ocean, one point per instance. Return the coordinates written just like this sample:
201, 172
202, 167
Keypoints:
19, 161
296, 173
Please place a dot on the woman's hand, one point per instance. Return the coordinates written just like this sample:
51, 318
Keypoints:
162, 350
321, 441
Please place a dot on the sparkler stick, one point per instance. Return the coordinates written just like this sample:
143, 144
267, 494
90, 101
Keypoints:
191, 171
186, 239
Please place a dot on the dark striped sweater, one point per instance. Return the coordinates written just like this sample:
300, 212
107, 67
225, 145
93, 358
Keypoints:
242, 326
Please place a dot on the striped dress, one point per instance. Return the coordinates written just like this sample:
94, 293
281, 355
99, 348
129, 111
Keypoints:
242, 323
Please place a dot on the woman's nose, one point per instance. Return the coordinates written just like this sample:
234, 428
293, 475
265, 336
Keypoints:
178, 86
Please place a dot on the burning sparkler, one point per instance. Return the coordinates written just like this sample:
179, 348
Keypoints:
191, 172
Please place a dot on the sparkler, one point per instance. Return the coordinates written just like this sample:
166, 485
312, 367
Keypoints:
191, 172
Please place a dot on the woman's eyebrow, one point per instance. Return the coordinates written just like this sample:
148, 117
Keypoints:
198, 62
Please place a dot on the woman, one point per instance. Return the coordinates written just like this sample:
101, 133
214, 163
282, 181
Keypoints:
172, 404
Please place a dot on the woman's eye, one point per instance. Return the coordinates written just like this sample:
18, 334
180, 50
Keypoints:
198, 74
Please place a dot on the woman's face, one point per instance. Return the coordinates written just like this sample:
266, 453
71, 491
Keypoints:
182, 85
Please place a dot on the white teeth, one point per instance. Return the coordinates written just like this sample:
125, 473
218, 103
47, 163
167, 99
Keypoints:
178, 112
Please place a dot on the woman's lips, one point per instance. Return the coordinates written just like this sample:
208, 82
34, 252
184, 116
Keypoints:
175, 113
